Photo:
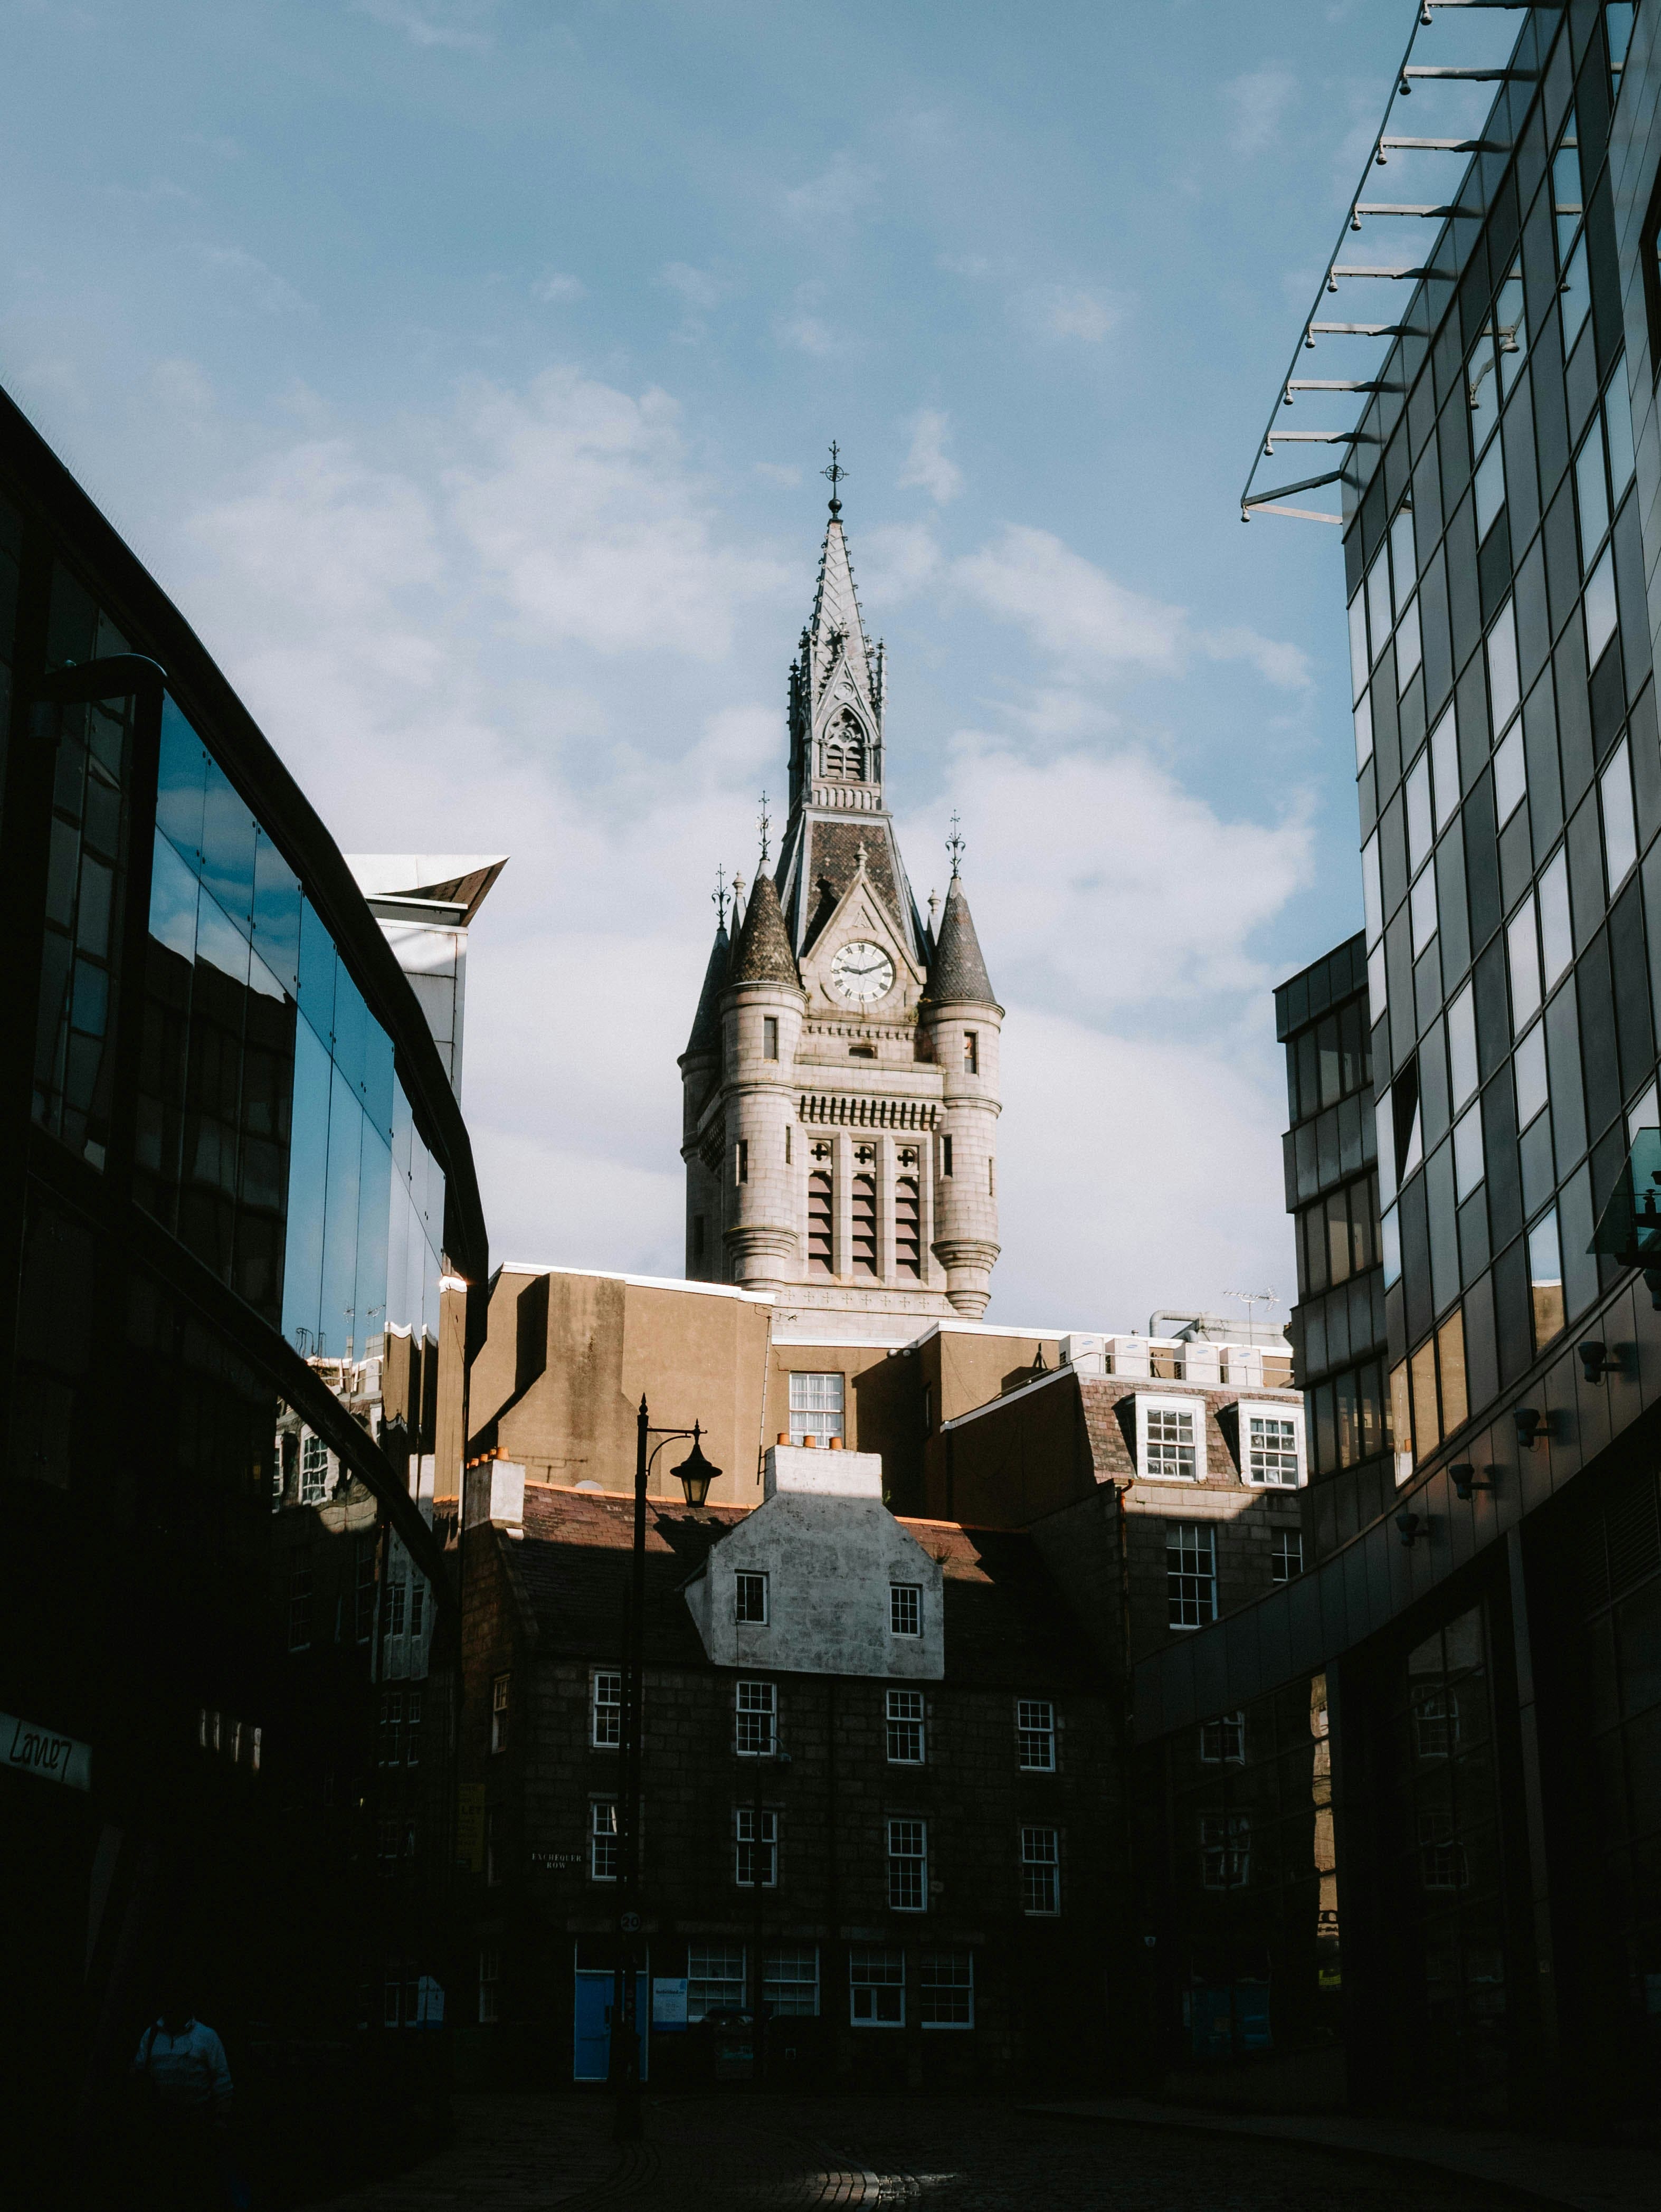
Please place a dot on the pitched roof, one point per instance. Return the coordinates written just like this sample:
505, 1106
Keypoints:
959, 968
1006, 1623
762, 953
706, 1022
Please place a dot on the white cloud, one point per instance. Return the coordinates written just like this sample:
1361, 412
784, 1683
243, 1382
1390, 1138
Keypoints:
554, 288
1135, 1173
703, 288
574, 500
780, 473
896, 561
1081, 615
435, 23
260, 286
1068, 605
835, 195
1257, 103
927, 465
808, 331
1064, 311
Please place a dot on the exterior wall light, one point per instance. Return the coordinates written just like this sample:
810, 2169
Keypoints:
1531, 1428
1411, 1525
1598, 1360
1465, 1479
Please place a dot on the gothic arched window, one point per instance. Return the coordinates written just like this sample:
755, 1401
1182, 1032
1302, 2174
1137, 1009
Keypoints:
845, 749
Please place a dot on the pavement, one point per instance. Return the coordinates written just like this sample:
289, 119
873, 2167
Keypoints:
1595, 2177
738, 2153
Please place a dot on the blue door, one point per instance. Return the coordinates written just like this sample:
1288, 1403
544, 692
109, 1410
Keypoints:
591, 2039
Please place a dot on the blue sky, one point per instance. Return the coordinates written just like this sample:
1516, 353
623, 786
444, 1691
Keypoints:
463, 367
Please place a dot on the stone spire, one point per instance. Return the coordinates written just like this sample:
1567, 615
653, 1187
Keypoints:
706, 1022
762, 953
836, 680
957, 973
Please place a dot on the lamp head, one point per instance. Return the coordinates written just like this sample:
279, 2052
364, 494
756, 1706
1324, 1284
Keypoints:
1464, 1478
1594, 1357
1407, 1521
695, 1473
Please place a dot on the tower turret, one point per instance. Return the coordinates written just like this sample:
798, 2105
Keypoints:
761, 1021
700, 1076
962, 1022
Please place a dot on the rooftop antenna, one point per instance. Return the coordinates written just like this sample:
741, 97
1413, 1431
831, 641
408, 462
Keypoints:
764, 824
836, 472
954, 843
719, 896
1251, 1298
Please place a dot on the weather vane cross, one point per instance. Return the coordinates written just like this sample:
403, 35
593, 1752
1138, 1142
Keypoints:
954, 843
719, 894
764, 824
836, 474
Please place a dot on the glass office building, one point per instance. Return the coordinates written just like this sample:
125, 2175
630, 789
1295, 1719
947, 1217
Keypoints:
1484, 1614
232, 1176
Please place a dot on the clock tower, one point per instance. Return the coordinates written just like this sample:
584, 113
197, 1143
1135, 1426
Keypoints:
840, 1086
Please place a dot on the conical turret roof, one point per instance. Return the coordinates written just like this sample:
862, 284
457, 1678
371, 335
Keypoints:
762, 953
959, 970
706, 1022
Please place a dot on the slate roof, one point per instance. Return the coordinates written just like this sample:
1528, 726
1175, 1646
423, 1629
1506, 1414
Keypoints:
959, 969
1006, 1623
706, 1022
762, 953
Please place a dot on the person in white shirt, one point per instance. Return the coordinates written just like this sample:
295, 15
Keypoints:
180, 2065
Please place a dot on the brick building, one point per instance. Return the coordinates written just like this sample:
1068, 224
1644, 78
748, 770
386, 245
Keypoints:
879, 1786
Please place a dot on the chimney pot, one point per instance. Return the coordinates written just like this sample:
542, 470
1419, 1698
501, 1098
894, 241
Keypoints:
784, 1435
835, 1444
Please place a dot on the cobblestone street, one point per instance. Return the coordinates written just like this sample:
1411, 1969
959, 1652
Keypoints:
515, 2153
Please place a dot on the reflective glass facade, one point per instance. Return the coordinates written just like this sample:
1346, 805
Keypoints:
230, 1167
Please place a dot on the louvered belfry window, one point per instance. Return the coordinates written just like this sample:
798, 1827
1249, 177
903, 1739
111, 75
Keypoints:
865, 1224
908, 1241
818, 1223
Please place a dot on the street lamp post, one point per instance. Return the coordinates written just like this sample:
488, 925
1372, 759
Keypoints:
694, 1475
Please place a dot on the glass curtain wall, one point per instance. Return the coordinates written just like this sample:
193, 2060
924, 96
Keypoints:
275, 1138
1509, 771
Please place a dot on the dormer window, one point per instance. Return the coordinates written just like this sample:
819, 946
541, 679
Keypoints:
845, 749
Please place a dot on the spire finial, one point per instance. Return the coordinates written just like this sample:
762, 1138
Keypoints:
933, 907
836, 472
954, 845
721, 894
764, 824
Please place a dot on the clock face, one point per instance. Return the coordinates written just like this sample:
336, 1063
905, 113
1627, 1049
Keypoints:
860, 973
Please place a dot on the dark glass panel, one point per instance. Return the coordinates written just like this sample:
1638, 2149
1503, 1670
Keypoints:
1535, 1154
1599, 1059
308, 1190
1573, 714
1513, 1322
1494, 567
1452, 920
1586, 851
1416, 1257
1563, 1062
1551, 429
1464, 605
1607, 695
1645, 765
1504, 1187
227, 847
1629, 584
1471, 719
1393, 854
1533, 622
1493, 1004
317, 965
1576, 1223
180, 782
1309, 1082
1632, 989
1474, 1236
1516, 857
1562, 555
277, 914
1436, 633
1443, 1223
1522, 472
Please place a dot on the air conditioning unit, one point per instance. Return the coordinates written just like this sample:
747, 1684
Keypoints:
1087, 1354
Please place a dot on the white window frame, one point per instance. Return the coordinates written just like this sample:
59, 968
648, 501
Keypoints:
869, 1982
755, 1829
1225, 1734
1148, 1402
902, 1865
818, 1405
897, 1592
1245, 1407
611, 1707
315, 1487
801, 1956
1205, 1530
599, 1834
755, 1702
904, 1709
1035, 1730
934, 1959
1041, 1870
716, 1979
749, 1575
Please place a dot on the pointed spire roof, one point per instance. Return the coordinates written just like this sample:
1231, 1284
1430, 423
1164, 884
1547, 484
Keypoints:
836, 634
706, 1022
762, 953
959, 968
